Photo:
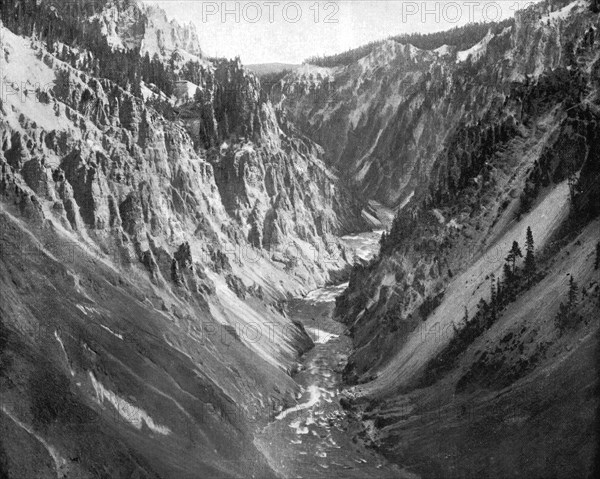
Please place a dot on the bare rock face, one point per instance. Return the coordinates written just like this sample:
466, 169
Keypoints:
144, 174
38, 177
142, 235
129, 25
167, 37
273, 182
356, 111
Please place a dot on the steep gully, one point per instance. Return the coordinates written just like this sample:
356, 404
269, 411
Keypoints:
317, 437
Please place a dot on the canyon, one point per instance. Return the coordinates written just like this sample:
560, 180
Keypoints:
208, 272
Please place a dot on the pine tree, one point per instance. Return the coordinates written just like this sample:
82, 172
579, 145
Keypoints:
513, 254
562, 317
137, 88
482, 306
566, 317
507, 272
198, 96
572, 181
530, 254
50, 42
508, 284
499, 292
573, 290
493, 296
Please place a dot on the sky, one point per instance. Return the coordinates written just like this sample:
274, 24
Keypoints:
291, 31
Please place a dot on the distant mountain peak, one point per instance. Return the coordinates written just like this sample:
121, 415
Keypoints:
128, 24
164, 36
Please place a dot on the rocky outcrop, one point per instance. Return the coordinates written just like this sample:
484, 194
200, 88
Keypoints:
131, 25
115, 174
270, 179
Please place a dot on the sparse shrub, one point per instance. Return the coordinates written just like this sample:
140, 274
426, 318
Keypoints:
527, 198
429, 305
566, 317
291, 264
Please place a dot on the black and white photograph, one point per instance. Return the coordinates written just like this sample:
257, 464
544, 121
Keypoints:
311, 239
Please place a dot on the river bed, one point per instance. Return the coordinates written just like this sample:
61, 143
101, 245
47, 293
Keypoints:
316, 437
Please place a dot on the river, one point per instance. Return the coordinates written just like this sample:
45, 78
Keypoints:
316, 437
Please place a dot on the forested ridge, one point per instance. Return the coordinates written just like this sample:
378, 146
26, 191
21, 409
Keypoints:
462, 38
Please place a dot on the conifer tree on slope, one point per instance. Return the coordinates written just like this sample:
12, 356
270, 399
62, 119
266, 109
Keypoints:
530, 254
513, 254
573, 290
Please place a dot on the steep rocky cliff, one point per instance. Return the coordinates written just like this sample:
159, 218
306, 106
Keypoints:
128, 24
150, 240
472, 148
384, 118
501, 160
